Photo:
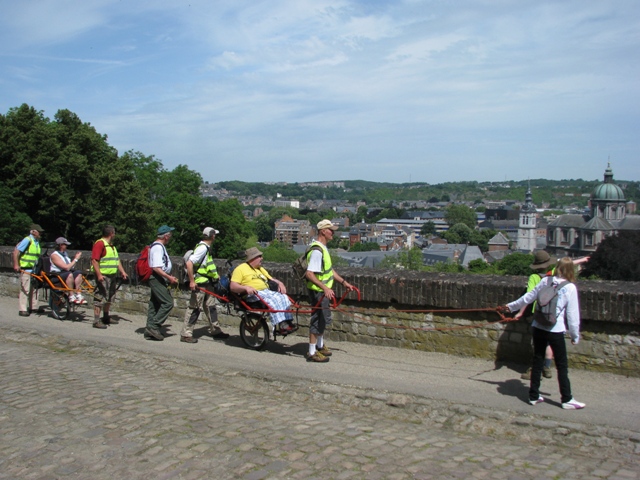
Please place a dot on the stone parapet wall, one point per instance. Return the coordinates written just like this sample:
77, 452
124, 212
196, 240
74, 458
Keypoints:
393, 312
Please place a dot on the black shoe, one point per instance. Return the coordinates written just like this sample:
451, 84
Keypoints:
220, 335
24, 314
110, 320
188, 340
153, 334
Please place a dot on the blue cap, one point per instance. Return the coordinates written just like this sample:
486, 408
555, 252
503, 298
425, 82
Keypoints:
165, 229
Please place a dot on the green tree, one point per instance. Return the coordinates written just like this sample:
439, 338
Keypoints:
264, 230
616, 258
479, 266
405, 259
516, 264
428, 228
364, 247
279, 252
455, 214
459, 233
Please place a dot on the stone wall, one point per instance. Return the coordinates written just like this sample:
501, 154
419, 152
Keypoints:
393, 312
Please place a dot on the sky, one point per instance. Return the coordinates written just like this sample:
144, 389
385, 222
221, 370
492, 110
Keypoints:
308, 90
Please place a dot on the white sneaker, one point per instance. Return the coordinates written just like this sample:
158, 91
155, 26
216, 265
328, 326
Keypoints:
80, 300
535, 402
72, 298
573, 405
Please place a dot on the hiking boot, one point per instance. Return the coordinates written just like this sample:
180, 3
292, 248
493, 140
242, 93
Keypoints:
24, 314
188, 340
526, 375
99, 324
573, 405
547, 372
316, 357
153, 334
535, 402
324, 351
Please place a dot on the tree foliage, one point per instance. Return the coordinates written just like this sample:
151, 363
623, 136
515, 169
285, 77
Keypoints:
616, 258
455, 214
64, 175
365, 247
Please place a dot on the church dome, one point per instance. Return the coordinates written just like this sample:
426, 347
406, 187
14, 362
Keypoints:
608, 190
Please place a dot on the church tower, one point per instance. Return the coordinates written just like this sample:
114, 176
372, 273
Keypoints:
527, 226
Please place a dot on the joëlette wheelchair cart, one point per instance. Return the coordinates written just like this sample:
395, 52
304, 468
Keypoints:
55, 290
255, 326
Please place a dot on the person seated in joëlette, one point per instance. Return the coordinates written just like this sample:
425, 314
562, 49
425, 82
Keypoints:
251, 278
64, 268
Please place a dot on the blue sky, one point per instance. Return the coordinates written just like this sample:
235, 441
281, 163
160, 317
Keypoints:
304, 90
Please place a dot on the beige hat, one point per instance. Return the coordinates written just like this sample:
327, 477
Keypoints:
322, 224
209, 231
541, 260
252, 253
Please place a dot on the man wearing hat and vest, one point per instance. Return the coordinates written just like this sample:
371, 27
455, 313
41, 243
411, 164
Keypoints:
202, 273
320, 277
161, 301
25, 257
542, 264
105, 263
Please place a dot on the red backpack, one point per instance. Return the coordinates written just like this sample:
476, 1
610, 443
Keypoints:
143, 270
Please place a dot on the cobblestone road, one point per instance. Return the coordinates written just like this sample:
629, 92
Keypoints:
72, 409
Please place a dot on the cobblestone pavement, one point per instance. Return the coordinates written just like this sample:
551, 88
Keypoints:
79, 409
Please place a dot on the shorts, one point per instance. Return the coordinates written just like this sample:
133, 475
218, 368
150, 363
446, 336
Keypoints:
56, 276
321, 317
105, 290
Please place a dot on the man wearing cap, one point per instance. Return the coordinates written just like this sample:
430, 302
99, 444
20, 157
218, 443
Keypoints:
25, 257
63, 267
202, 273
105, 263
542, 263
320, 277
161, 301
251, 278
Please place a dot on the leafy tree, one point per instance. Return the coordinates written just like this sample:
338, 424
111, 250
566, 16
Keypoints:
405, 259
455, 214
516, 264
14, 224
279, 252
479, 266
616, 258
364, 247
264, 230
459, 233
428, 228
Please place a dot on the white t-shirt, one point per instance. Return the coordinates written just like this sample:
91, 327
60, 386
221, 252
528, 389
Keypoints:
315, 261
158, 257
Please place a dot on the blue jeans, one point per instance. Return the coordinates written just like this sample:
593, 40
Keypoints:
542, 338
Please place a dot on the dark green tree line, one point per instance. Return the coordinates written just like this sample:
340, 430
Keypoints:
63, 175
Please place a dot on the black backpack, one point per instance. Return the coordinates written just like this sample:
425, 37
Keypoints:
547, 302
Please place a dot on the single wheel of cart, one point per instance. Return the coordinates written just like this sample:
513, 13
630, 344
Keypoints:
254, 330
59, 304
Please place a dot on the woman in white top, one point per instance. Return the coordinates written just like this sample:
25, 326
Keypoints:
567, 309
63, 267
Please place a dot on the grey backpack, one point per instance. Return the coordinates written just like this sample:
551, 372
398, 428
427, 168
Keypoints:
547, 302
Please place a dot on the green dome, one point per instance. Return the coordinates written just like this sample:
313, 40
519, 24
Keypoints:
608, 190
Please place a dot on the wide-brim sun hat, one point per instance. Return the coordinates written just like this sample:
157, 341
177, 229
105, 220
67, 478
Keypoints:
541, 259
252, 253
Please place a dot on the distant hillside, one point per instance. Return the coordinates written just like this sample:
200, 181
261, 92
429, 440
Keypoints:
552, 192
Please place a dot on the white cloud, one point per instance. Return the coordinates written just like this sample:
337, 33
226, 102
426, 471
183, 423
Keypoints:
369, 89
